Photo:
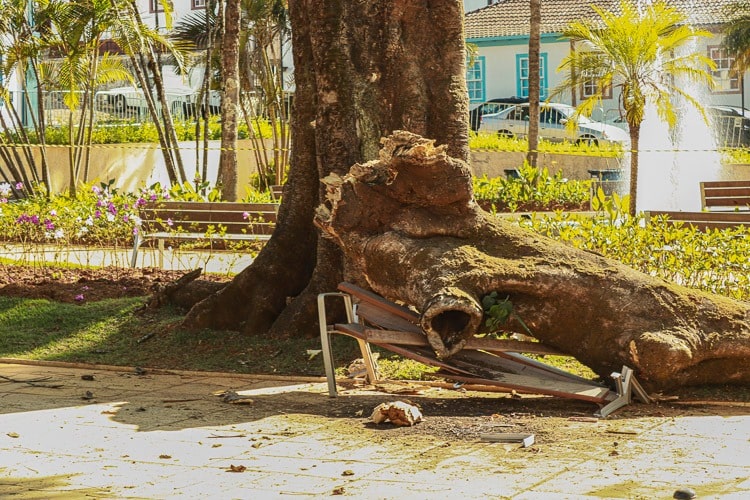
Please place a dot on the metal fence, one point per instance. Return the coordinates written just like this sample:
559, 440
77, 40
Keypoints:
126, 105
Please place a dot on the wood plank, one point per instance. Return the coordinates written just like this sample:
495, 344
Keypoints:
380, 318
417, 338
467, 372
376, 300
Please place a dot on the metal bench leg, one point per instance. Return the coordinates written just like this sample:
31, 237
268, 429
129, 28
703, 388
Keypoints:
325, 341
136, 244
161, 253
627, 385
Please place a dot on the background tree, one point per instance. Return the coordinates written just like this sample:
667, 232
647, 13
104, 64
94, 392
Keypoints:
644, 53
22, 51
143, 46
75, 32
264, 31
362, 70
230, 102
737, 37
534, 80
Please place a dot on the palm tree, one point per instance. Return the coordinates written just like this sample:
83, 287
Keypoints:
535, 7
75, 32
737, 38
263, 30
643, 52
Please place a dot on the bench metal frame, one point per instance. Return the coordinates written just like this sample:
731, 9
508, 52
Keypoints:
507, 369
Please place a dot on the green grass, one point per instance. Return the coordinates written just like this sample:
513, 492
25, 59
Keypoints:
116, 332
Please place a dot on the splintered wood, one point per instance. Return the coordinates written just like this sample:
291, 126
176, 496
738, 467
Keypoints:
398, 413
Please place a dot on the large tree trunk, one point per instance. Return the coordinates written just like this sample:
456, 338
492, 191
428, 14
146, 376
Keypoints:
408, 222
362, 70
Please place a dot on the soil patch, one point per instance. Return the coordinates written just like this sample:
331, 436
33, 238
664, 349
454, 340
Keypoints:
92, 284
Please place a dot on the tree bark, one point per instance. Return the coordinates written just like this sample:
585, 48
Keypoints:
230, 104
408, 222
362, 70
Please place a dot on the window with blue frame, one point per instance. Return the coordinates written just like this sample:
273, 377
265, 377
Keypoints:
475, 79
522, 75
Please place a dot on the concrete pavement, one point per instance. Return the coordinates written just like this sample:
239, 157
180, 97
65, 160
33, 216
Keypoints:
104, 432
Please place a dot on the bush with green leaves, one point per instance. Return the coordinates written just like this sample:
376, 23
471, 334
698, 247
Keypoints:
717, 261
492, 142
533, 190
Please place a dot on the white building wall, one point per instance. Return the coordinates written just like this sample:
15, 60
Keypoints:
501, 75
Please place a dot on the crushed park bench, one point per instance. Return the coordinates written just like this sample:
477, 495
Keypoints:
198, 220
490, 363
724, 204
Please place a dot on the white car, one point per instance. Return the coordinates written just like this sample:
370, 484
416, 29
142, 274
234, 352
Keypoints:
130, 102
553, 120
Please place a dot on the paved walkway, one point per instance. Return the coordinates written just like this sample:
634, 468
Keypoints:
104, 433
180, 260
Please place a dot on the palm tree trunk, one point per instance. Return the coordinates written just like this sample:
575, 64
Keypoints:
635, 137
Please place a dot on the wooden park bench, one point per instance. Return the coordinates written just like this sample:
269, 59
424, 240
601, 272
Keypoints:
197, 220
724, 204
487, 362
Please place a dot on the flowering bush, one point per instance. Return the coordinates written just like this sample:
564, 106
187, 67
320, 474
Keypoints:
96, 216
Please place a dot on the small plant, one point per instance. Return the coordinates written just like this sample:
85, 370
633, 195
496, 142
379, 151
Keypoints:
532, 190
499, 312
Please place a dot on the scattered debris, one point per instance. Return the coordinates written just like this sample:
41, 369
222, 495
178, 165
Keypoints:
526, 440
214, 436
348, 472
398, 412
338, 491
311, 353
230, 396
33, 382
163, 456
89, 395
180, 400
87, 377
584, 419
622, 431
145, 337
684, 494
236, 468
139, 371
358, 368
13, 435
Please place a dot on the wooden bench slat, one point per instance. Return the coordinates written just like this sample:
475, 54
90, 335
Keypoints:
725, 195
185, 216
198, 220
704, 220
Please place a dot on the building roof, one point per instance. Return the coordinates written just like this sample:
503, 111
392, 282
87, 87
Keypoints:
508, 18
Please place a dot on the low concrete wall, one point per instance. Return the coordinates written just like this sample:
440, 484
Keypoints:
494, 164
140, 165
134, 166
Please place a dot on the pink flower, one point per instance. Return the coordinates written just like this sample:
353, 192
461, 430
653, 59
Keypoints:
19, 186
79, 297
170, 223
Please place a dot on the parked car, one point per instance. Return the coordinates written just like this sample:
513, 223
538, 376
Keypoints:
731, 125
130, 101
553, 121
491, 107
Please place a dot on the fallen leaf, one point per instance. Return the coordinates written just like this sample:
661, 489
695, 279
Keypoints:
348, 472
236, 468
13, 434
165, 456
338, 491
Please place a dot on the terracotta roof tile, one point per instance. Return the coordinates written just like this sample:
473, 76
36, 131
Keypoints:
511, 17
